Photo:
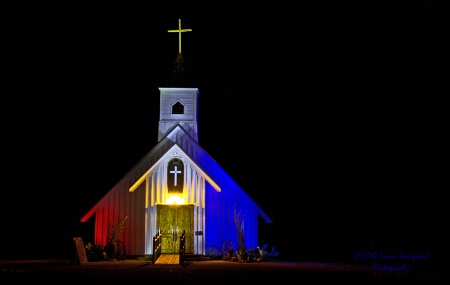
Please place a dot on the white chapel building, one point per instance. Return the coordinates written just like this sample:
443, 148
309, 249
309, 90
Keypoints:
177, 187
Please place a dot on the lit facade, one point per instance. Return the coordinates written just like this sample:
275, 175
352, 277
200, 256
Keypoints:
177, 187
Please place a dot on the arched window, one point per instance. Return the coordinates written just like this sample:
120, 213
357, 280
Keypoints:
175, 176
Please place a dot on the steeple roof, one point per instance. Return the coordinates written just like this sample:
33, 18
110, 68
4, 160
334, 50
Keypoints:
178, 76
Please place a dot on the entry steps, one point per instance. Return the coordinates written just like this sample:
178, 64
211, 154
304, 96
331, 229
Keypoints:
166, 258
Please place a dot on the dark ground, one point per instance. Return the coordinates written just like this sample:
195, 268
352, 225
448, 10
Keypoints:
210, 272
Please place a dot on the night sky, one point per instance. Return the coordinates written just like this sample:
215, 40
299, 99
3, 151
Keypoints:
327, 115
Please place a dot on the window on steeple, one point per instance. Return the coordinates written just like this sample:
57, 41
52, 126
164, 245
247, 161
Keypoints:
178, 108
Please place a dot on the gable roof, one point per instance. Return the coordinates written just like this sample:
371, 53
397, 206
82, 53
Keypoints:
177, 137
176, 149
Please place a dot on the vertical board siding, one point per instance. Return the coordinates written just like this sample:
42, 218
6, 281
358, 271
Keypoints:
213, 211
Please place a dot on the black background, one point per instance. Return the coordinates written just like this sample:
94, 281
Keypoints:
330, 115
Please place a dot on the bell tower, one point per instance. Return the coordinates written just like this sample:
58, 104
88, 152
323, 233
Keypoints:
178, 106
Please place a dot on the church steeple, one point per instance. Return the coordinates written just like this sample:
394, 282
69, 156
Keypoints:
179, 99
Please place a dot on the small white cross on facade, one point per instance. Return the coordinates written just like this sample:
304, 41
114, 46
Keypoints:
175, 172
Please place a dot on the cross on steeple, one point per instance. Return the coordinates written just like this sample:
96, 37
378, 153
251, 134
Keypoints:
179, 31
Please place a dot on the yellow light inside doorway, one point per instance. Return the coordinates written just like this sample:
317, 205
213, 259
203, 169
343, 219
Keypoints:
175, 199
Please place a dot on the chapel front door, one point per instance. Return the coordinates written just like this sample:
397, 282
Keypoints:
172, 221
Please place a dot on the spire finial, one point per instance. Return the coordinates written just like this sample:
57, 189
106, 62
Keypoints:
179, 31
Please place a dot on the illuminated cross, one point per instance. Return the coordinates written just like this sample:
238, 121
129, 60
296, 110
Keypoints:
175, 172
179, 31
